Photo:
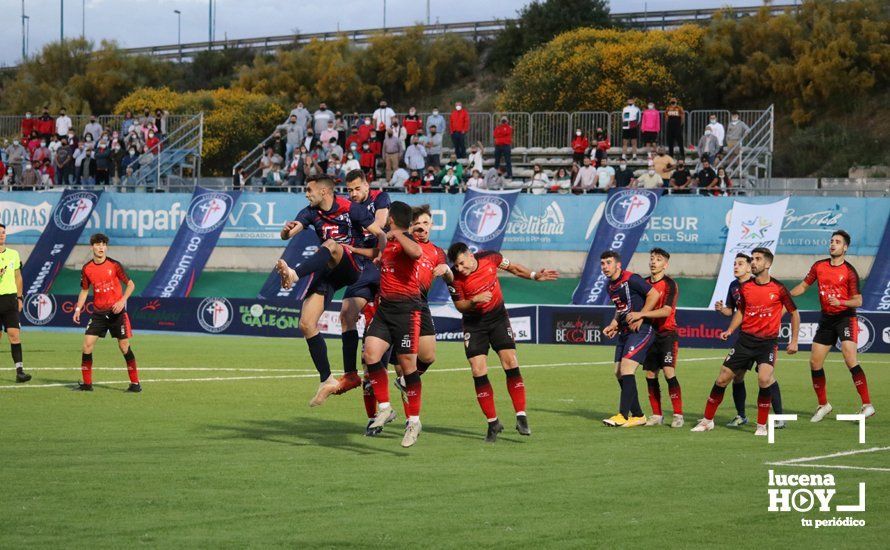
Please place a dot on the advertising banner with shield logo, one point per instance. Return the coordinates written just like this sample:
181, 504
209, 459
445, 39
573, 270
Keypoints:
205, 219
63, 228
750, 226
626, 213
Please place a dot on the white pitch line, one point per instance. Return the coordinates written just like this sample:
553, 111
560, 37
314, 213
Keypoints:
146, 369
797, 461
234, 378
835, 466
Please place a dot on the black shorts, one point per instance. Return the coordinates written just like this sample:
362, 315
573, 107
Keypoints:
117, 324
9, 311
427, 327
630, 133
329, 281
491, 330
750, 351
397, 324
367, 285
663, 352
650, 137
836, 327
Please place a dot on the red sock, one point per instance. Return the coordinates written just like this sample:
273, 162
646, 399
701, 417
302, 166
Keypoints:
676, 395
86, 367
412, 382
654, 395
714, 401
368, 397
764, 400
861, 383
485, 396
818, 377
379, 382
131, 366
516, 387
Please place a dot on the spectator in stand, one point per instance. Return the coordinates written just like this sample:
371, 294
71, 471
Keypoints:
454, 165
103, 165
735, 131
377, 149
310, 140
117, 155
399, 177
423, 139
302, 114
392, 153
278, 143
161, 121
3, 147
47, 174
265, 163
650, 179
63, 123
329, 133
41, 153
561, 182
321, 118
664, 165
437, 120
414, 183
333, 148
630, 127
86, 175
365, 131
503, 142
413, 122
434, 148
605, 176
295, 170
602, 147
400, 132
650, 126
430, 180
540, 182
147, 128
335, 169
724, 183
146, 118
29, 125
134, 139
153, 143
353, 140
64, 163
415, 155
8, 180
708, 144
128, 122
476, 181
494, 178
131, 159
474, 160
31, 178
320, 156
15, 158
93, 128
239, 182
460, 125
31, 143
383, 119
450, 182
53, 146
586, 178
46, 126
341, 128
580, 144
368, 161
675, 118
351, 162
706, 178
718, 130
624, 176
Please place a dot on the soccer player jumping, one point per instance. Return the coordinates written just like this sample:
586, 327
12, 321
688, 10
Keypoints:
633, 298
337, 221
105, 275
839, 297
759, 312
476, 292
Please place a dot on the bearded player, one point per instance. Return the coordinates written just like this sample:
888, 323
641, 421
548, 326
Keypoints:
476, 292
839, 297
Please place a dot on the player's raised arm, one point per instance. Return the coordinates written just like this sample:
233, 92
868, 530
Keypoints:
290, 229
544, 274
409, 245
799, 289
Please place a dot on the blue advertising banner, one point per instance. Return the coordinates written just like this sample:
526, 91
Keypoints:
624, 219
205, 218
298, 249
63, 226
689, 224
876, 294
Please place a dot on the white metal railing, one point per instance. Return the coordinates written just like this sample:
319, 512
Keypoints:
181, 148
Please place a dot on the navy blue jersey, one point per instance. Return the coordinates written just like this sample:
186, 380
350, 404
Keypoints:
377, 200
345, 222
628, 294
732, 295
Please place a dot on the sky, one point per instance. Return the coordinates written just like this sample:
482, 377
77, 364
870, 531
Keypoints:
135, 23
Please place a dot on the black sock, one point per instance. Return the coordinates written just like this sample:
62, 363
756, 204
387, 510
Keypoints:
422, 366
314, 263
776, 397
739, 394
319, 353
16, 350
630, 402
350, 349
129, 355
855, 370
512, 373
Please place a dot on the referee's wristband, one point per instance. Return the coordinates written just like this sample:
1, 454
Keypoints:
20, 298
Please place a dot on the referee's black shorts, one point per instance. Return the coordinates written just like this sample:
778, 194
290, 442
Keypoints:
9, 311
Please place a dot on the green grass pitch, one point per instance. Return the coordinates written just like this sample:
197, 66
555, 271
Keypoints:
221, 449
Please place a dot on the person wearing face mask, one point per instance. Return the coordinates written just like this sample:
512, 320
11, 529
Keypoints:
624, 175
64, 164
30, 178
630, 127
675, 117
130, 159
295, 133
301, 115
415, 156
15, 158
735, 131
718, 130
392, 153
117, 156
474, 161
681, 179
153, 143
334, 148
434, 146
437, 120
103, 165
601, 150
368, 161
580, 144
650, 126
708, 145
365, 131
605, 176
63, 123
310, 140
45, 125
41, 153
412, 123
649, 179
351, 162
540, 181
328, 134
127, 123
8, 180
503, 142
724, 183
93, 129
353, 140
29, 124
335, 169
382, 119
706, 178
460, 125
664, 165
321, 117
53, 146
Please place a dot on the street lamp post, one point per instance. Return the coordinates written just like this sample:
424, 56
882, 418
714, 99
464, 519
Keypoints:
61, 20
179, 32
24, 51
